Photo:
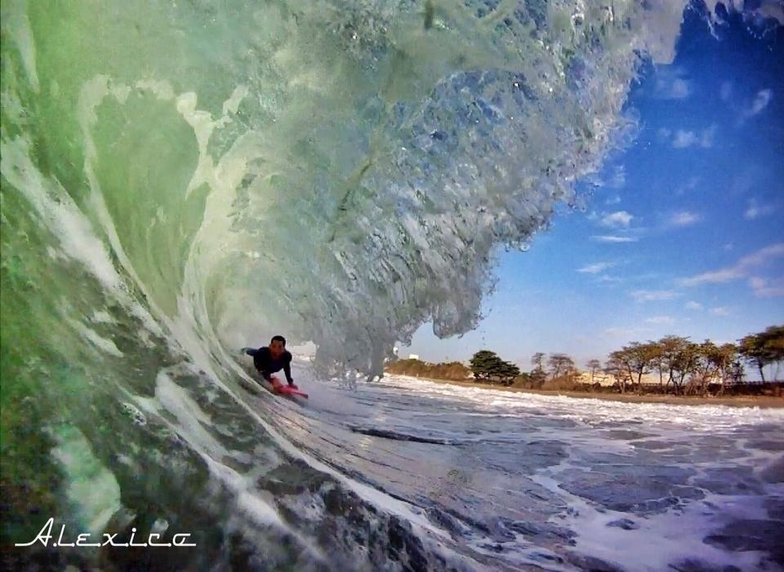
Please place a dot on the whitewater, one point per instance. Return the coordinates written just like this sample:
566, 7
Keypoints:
183, 179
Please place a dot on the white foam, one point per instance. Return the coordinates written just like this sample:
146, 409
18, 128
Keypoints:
93, 337
57, 211
190, 416
707, 418
91, 487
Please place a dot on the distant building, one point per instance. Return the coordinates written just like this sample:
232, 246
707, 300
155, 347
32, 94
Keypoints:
413, 356
599, 377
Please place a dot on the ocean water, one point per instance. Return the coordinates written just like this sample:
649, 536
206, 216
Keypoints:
179, 177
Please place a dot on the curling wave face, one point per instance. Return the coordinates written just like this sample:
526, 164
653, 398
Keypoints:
339, 171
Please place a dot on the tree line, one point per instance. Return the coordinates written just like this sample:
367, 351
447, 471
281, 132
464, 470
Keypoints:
680, 366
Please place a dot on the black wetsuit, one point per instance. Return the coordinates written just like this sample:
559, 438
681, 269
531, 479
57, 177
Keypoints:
268, 365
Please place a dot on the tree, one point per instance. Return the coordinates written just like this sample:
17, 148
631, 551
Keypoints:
616, 368
635, 360
673, 356
593, 366
721, 364
658, 359
488, 366
682, 362
537, 360
484, 363
763, 349
508, 372
730, 364
706, 368
560, 364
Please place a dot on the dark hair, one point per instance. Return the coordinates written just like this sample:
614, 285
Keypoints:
278, 339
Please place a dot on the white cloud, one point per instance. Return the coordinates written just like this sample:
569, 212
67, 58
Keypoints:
756, 210
613, 238
684, 139
688, 186
596, 267
661, 320
765, 288
609, 279
692, 305
761, 101
683, 218
720, 311
618, 178
756, 106
742, 269
653, 295
679, 89
617, 219
670, 86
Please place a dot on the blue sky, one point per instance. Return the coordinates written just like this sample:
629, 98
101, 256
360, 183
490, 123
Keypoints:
685, 233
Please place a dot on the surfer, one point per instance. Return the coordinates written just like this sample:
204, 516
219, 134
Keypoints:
271, 359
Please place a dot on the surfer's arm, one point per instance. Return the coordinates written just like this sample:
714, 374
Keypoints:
287, 370
250, 351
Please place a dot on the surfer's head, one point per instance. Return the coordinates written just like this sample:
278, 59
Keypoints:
277, 345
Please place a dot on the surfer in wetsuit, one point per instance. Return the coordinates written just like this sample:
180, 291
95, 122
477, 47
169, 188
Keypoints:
271, 359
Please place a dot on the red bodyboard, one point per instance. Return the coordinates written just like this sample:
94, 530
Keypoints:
284, 389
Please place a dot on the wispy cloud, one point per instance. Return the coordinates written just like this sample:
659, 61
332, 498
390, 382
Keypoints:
618, 177
756, 210
661, 320
613, 238
688, 186
618, 219
678, 89
748, 108
653, 295
759, 103
742, 269
669, 85
692, 305
720, 311
596, 268
684, 139
683, 218
765, 288
752, 108
609, 279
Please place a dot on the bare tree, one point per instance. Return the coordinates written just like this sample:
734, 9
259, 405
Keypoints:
537, 360
593, 366
560, 365
616, 368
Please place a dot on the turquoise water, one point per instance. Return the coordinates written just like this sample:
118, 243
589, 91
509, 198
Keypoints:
177, 177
